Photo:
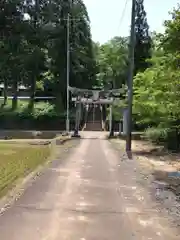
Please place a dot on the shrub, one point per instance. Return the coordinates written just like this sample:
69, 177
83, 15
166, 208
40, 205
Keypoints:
44, 115
156, 135
169, 137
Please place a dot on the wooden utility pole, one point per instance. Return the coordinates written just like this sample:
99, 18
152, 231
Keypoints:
67, 75
130, 78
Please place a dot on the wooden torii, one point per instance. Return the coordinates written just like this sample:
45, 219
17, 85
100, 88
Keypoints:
91, 96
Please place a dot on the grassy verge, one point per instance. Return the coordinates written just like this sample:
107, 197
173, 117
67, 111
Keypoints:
18, 160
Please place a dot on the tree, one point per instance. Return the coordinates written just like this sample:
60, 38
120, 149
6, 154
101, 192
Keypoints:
82, 61
82, 48
36, 44
112, 63
170, 39
33, 46
157, 91
143, 39
11, 47
112, 59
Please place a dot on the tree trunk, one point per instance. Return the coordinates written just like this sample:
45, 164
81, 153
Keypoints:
5, 91
32, 94
15, 95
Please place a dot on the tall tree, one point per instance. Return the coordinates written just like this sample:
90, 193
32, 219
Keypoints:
170, 39
143, 39
33, 44
82, 61
11, 47
112, 58
157, 89
36, 40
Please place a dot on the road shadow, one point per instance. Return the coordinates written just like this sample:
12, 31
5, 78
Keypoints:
159, 154
153, 152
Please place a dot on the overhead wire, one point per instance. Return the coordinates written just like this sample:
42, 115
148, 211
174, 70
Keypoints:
123, 14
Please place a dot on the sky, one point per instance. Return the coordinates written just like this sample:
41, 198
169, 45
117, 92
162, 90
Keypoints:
107, 22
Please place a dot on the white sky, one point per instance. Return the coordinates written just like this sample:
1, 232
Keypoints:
105, 16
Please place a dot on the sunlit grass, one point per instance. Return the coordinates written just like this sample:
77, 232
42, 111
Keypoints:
17, 160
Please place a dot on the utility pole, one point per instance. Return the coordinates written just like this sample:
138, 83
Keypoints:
67, 74
130, 78
68, 67
33, 83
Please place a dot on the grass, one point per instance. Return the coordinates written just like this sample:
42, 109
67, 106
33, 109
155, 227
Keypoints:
21, 103
17, 160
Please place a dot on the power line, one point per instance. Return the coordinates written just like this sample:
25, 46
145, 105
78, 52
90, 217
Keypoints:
122, 14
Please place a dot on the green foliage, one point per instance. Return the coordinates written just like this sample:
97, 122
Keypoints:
156, 135
43, 113
33, 47
112, 62
116, 110
143, 39
82, 60
170, 40
157, 89
156, 92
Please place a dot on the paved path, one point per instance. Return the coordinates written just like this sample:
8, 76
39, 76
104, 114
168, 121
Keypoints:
91, 195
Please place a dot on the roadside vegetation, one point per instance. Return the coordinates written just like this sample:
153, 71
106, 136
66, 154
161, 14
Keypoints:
33, 56
17, 161
44, 116
156, 100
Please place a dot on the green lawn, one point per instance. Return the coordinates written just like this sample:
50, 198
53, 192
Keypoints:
17, 160
20, 101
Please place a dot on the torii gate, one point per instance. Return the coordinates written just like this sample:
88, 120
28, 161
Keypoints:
100, 97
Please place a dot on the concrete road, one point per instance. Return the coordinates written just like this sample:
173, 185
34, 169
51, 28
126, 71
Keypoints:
91, 195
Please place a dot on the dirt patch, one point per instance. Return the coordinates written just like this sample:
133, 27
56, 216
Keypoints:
155, 160
164, 165
158, 172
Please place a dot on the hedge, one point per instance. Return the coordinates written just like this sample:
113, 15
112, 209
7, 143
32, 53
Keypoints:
44, 116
